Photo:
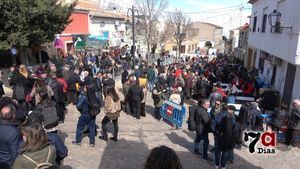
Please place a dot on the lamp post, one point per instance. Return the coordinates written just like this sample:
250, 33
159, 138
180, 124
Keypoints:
132, 11
275, 22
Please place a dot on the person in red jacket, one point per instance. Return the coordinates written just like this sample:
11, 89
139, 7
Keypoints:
249, 89
220, 90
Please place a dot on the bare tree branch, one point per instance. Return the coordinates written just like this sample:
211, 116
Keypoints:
179, 27
151, 11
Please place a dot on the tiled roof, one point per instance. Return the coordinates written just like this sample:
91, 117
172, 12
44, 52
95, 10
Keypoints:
244, 27
252, 1
216, 26
95, 9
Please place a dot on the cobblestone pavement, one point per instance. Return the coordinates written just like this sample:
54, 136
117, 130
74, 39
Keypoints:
138, 137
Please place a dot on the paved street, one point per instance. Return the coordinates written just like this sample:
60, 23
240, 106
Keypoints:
138, 137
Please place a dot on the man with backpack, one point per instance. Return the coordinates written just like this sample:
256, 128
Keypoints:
203, 123
85, 118
225, 132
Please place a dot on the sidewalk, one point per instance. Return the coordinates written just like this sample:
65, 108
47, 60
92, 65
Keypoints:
138, 137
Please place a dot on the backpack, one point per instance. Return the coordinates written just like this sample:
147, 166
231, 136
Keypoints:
258, 125
43, 165
191, 120
50, 115
20, 92
96, 105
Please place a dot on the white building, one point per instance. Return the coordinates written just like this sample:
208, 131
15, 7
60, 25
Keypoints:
276, 54
108, 25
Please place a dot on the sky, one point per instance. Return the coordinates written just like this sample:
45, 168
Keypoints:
225, 13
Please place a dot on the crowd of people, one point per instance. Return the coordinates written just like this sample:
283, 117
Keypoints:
202, 81
29, 118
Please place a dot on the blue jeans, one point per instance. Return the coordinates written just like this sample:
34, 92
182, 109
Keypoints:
224, 158
86, 119
230, 155
226, 155
217, 153
203, 136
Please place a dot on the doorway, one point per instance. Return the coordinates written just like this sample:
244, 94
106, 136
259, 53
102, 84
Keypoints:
289, 84
249, 61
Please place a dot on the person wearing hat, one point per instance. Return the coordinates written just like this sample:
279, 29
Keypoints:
223, 128
175, 96
255, 120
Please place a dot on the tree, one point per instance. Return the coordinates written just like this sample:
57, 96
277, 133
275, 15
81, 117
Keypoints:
150, 10
30, 23
179, 27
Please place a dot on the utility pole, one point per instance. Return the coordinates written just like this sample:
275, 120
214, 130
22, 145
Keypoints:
133, 11
241, 14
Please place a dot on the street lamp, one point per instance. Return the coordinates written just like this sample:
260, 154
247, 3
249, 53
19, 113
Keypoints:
275, 22
132, 11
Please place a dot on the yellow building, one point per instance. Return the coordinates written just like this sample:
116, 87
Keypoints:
204, 34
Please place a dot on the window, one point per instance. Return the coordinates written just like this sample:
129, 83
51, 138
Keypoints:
102, 23
264, 23
254, 24
174, 48
189, 48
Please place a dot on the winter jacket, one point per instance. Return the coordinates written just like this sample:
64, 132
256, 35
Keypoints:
202, 120
58, 89
135, 92
224, 132
64, 83
158, 98
150, 74
295, 119
83, 104
9, 139
124, 77
111, 108
73, 79
19, 79
39, 156
61, 149
278, 118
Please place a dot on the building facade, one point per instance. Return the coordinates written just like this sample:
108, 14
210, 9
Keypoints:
203, 34
241, 43
276, 54
90, 20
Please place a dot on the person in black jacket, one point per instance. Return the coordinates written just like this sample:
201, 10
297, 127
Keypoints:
22, 83
58, 98
135, 95
202, 121
124, 76
201, 88
72, 90
223, 128
9, 137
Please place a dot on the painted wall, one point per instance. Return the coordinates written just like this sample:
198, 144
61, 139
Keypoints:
296, 90
284, 45
79, 24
